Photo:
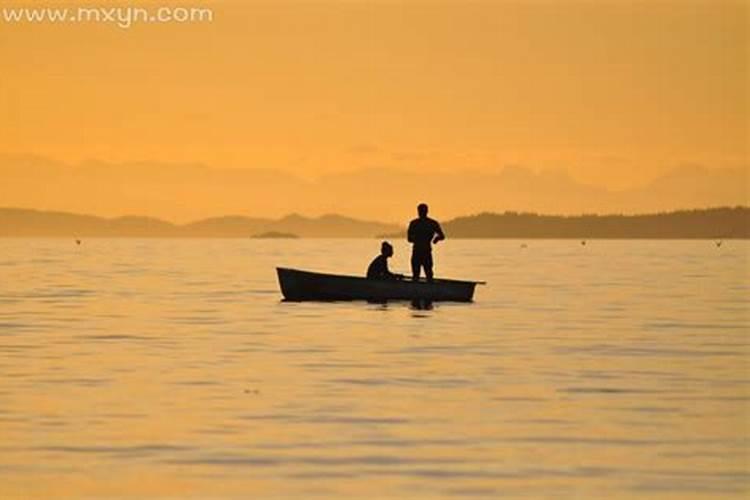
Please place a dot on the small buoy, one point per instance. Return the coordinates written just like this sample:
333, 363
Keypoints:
718, 243
78, 242
583, 243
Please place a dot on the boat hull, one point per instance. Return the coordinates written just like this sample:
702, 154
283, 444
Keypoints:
297, 285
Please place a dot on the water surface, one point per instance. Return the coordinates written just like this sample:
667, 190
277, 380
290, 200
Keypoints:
169, 368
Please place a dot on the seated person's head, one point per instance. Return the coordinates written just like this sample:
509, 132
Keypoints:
386, 249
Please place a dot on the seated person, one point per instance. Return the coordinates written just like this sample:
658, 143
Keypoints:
379, 266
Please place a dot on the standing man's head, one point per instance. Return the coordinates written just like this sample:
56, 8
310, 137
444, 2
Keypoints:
386, 249
422, 210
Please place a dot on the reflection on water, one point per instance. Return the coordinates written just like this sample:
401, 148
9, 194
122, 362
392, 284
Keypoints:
422, 304
168, 367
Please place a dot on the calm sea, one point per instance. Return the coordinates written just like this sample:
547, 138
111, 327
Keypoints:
171, 368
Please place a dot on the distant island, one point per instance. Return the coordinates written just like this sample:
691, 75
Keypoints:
275, 235
708, 223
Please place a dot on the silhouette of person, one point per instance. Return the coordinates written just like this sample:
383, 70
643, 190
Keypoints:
378, 268
423, 232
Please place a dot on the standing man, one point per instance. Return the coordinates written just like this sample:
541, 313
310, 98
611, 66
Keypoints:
423, 232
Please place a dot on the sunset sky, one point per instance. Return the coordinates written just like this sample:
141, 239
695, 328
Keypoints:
615, 93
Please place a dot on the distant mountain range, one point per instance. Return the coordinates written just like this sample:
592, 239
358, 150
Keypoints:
23, 222
720, 223
188, 192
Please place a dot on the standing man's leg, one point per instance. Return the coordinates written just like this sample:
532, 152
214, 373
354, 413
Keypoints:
427, 263
415, 264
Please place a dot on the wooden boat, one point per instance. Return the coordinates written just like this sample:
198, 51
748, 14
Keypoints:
299, 285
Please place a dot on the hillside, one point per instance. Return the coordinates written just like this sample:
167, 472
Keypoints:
17, 222
704, 223
701, 223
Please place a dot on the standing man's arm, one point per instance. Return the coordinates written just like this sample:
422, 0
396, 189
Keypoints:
410, 232
440, 235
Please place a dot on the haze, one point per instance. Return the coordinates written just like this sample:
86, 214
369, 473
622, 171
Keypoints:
614, 96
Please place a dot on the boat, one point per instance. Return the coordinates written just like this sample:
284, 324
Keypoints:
297, 285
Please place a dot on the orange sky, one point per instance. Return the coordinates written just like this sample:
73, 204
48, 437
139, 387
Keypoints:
615, 92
